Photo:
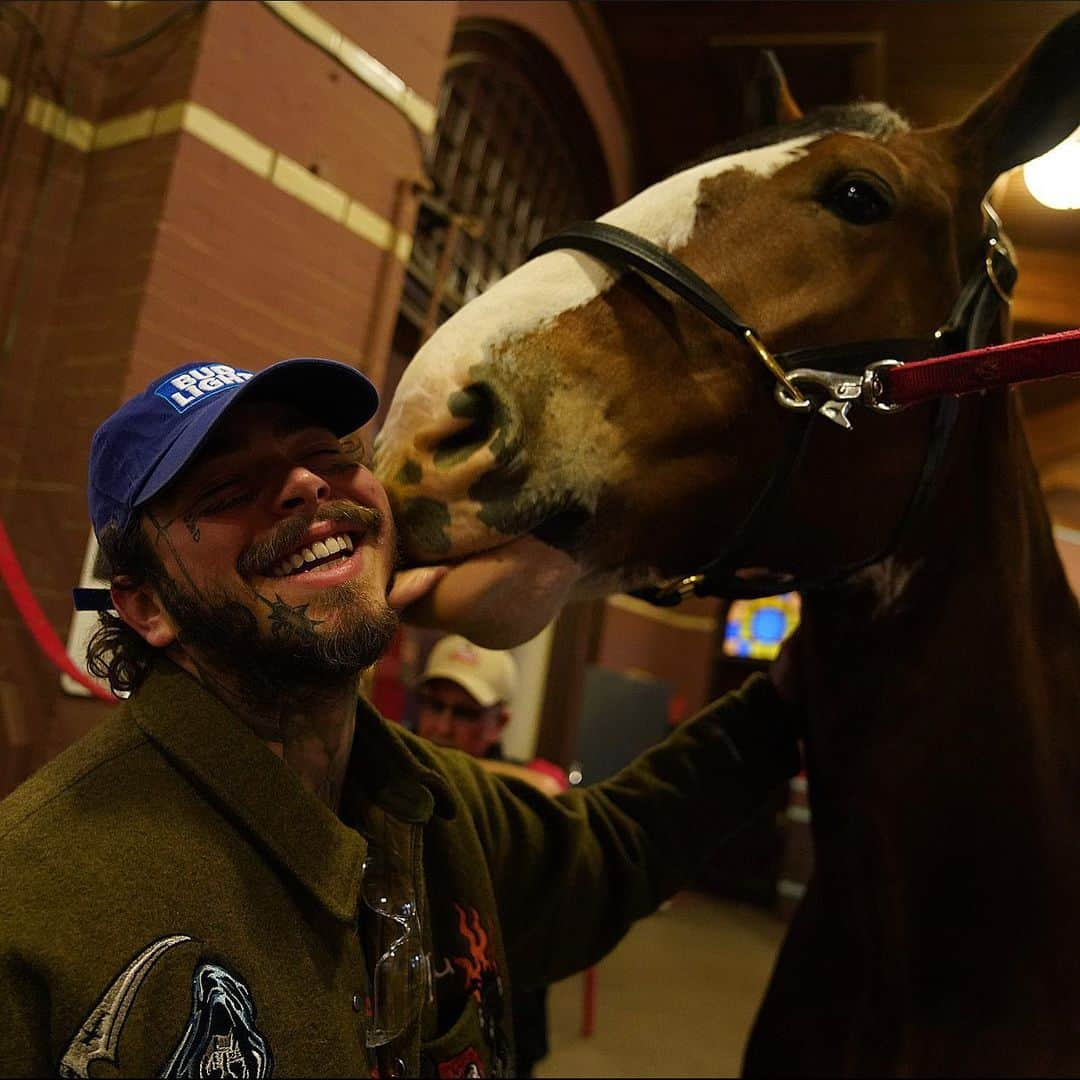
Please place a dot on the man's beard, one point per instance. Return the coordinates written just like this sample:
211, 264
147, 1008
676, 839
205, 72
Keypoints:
288, 652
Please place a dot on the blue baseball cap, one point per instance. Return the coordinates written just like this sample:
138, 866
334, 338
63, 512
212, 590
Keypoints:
139, 450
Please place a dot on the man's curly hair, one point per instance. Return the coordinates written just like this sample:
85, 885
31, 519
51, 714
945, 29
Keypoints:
116, 652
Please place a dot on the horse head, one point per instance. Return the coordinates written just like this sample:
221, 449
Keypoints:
574, 431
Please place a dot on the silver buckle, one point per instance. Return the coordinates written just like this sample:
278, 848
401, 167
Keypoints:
874, 388
841, 390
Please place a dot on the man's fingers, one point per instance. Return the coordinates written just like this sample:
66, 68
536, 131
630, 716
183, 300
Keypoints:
786, 671
409, 585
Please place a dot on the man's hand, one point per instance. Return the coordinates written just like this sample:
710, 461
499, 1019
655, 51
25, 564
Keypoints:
541, 781
786, 671
408, 586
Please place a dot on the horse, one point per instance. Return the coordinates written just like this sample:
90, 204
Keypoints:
579, 430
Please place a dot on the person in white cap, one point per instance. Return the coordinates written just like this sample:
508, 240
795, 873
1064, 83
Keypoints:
465, 697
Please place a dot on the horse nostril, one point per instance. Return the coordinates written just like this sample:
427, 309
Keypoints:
478, 406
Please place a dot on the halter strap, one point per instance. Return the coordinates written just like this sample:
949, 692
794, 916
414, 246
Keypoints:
620, 247
627, 250
970, 323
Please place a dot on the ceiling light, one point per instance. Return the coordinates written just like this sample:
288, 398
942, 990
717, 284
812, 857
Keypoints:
1054, 178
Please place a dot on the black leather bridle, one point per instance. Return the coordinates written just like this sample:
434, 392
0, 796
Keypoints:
848, 375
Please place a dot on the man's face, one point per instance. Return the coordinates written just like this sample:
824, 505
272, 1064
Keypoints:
450, 716
278, 546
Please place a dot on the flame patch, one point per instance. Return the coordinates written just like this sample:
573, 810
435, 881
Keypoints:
478, 962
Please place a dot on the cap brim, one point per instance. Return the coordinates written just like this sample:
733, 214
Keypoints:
331, 393
479, 690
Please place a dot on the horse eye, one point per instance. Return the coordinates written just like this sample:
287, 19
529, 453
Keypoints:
858, 201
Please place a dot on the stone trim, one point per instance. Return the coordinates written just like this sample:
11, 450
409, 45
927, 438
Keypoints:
226, 138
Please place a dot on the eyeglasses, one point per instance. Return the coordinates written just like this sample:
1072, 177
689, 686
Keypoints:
467, 714
401, 980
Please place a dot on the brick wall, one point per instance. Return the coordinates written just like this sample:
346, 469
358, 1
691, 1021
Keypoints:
118, 262
42, 184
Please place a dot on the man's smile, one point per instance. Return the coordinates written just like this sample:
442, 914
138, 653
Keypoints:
318, 553
323, 552
327, 556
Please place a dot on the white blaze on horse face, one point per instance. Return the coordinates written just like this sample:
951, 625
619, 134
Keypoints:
665, 213
538, 292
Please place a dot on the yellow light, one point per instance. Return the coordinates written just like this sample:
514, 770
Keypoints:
1054, 178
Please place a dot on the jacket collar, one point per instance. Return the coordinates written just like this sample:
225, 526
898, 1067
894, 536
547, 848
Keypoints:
385, 769
217, 752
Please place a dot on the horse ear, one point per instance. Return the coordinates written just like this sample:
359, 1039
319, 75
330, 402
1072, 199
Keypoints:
1034, 108
768, 100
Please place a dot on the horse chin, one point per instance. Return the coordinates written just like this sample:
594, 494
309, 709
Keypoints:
500, 597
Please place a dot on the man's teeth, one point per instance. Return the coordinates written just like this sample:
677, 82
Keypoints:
319, 551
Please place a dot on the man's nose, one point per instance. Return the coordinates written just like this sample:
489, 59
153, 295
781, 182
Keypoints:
301, 488
439, 719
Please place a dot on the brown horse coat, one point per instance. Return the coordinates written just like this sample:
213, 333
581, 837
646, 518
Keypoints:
572, 432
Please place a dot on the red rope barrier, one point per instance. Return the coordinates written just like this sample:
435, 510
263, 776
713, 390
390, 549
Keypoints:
37, 622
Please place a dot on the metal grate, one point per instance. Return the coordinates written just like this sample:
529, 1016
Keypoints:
505, 174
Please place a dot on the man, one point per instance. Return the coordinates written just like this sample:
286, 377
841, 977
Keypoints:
463, 702
242, 872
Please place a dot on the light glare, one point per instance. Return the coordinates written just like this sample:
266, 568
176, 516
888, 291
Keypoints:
1054, 178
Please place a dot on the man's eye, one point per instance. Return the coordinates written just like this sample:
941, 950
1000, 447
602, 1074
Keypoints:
222, 497
227, 502
329, 458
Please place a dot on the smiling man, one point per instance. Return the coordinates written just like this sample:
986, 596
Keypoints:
243, 871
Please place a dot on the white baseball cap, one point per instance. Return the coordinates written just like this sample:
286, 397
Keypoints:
488, 675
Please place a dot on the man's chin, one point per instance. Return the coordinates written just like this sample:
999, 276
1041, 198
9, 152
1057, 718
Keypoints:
338, 636
501, 597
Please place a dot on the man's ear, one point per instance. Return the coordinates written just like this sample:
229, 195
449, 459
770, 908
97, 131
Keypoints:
142, 610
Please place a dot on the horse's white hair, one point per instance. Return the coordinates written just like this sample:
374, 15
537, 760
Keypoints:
541, 290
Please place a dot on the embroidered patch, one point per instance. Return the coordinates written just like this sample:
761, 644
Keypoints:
199, 383
220, 1039
477, 963
467, 1063
483, 982
99, 1037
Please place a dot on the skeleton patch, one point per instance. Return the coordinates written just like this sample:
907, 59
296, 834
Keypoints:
220, 1039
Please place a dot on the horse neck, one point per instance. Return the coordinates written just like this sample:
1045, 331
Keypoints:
945, 682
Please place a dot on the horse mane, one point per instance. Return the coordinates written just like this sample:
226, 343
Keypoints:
873, 119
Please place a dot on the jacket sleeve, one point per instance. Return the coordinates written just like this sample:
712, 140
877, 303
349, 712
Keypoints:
24, 1023
572, 874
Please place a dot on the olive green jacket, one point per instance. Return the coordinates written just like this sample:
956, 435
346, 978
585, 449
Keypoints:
174, 902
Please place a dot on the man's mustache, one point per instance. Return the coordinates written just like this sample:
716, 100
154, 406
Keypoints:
263, 555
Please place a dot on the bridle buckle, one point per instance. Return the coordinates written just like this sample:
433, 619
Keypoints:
841, 391
873, 395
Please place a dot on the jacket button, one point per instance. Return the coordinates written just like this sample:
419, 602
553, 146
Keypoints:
357, 1002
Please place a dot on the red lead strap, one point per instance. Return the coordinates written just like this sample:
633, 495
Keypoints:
982, 369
